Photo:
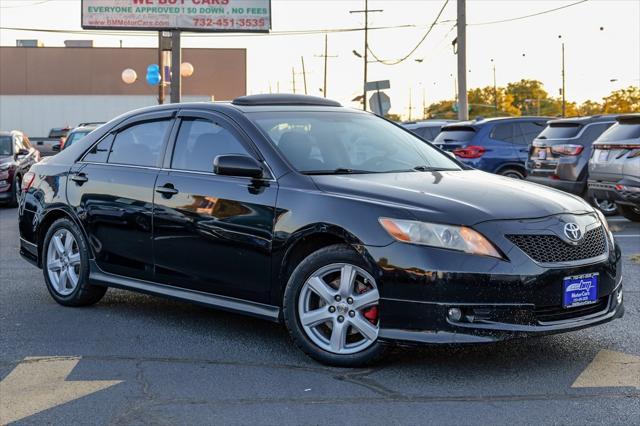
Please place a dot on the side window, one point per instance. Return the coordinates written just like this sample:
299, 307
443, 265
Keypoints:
503, 132
140, 144
594, 131
530, 129
199, 142
100, 151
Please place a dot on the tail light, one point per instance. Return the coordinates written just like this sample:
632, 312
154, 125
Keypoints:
567, 149
634, 149
472, 151
27, 181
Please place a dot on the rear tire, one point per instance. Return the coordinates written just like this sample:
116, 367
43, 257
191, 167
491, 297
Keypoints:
512, 173
630, 212
331, 333
16, 191
65, 264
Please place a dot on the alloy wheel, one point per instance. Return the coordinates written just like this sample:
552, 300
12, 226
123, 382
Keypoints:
605, 205
338, 308
63, 262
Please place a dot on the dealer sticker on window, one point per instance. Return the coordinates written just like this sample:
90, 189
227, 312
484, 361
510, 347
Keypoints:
580, 290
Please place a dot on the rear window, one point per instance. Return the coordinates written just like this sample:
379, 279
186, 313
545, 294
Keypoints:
455, 134
75, 137
620, 132
560, 131
58, 133
5, 145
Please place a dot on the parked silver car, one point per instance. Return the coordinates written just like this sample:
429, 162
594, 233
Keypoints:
614, 166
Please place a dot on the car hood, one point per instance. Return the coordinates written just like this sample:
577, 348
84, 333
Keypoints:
6, 159
457, 197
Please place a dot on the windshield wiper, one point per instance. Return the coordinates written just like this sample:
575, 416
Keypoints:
338, 171
432, 169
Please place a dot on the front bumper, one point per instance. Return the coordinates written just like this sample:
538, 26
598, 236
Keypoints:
498, 299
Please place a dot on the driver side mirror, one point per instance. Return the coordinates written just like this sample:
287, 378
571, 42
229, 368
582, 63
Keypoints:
237, 165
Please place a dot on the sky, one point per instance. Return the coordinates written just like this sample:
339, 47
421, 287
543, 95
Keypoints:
602, 43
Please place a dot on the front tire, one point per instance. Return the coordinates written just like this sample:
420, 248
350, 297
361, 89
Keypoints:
331, 308
512, 173
630, 212
608, 208
65, 265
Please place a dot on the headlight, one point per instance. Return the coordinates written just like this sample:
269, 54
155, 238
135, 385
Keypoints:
603, 219
450, 237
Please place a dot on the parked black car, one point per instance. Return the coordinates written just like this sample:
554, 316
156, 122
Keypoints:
348, 228
496, 145
614, 167
559, 156
16, 157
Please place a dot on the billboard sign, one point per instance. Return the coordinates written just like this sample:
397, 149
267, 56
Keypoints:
186, 15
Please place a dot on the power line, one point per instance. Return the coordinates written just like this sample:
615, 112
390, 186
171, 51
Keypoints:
528, 16
25, 5
424, 37
154, 34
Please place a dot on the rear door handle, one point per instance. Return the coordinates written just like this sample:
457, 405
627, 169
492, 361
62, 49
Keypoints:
166, 191
79, 178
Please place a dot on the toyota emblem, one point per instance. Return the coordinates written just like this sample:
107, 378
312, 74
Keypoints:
573, 231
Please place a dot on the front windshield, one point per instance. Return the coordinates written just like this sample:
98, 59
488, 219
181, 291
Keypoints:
5, 145
348, 142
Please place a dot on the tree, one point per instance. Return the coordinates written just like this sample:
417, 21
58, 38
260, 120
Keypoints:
525, 95
442, 109
482, 102
622, 101
590, 107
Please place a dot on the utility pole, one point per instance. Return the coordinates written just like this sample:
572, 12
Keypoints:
495, 88
424, 103
304, 75
366, 12
463, 105
564, 101
293, 79
325, 57
176, 60
410, 104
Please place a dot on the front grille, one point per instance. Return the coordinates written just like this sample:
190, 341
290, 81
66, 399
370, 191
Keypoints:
545, 248
558, 313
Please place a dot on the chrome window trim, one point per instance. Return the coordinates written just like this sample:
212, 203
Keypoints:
163, 169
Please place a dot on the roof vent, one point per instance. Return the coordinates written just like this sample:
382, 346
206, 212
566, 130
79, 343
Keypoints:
284, 99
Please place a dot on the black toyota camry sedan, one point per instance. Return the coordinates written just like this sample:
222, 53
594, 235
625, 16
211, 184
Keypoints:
344, 226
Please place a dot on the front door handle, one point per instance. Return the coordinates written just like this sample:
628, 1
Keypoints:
79, 178
166, 191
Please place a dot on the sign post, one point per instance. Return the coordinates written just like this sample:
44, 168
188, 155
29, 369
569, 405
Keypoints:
238, 16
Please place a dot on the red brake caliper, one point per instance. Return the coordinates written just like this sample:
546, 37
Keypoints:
370, 313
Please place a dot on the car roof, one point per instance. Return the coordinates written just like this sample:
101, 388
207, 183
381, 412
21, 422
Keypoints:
586, 119
425, 123
84, 128
481, 121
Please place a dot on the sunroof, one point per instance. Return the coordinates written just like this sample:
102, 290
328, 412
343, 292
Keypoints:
284, 99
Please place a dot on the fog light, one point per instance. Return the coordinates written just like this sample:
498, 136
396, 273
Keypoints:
454, 314
619, 296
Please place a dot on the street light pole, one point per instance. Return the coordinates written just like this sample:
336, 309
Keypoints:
176, 61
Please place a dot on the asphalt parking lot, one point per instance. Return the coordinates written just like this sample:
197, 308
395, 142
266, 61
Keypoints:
136, 359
